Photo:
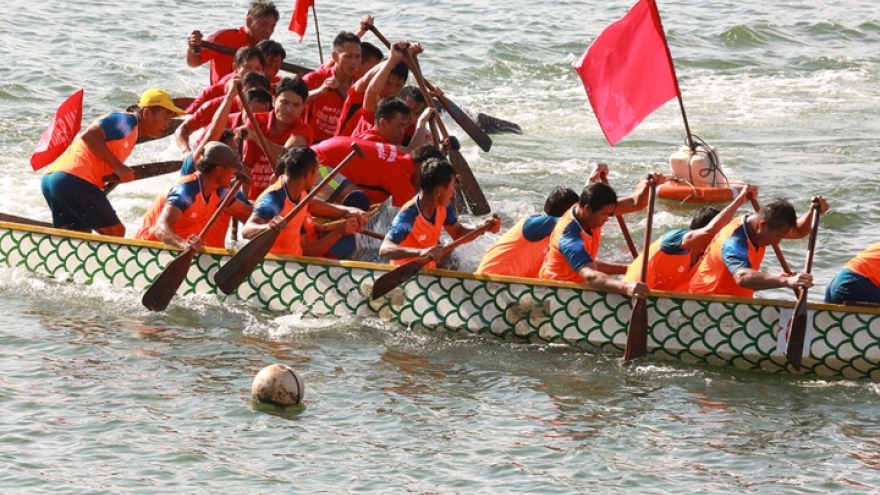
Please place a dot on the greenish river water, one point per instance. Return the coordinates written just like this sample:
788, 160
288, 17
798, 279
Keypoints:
99, 395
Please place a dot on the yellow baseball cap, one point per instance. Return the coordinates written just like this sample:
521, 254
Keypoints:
155, 97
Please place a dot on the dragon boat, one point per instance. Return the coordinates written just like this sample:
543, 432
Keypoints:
841, 341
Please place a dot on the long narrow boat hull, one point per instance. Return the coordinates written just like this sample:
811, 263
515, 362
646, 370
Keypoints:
723, 331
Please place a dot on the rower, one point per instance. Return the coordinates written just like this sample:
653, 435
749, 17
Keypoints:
262, 16
732, 263
329, 85
300, 166
176, 217
247, 59
673, 259
259, 102
574, 243
274, 55
520, 251
73, 183
282, 128
859, 281
415, 231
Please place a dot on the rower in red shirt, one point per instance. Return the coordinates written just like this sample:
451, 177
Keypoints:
259, 25
329, 85
282, 128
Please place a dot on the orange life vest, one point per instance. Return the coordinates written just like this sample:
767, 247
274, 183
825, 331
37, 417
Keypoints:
556, 265
867, 264
713, 276
514, 255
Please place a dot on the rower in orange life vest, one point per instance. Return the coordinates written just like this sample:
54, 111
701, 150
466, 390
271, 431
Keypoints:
859, 281
73, 183
732, 262
177, 218
415, 231
574, 243
300, 166
674, 257
262, 16
521, 250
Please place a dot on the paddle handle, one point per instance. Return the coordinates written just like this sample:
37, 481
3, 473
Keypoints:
814, 231
356, 150
147, 170
256, 125
413, 64
296, 69
620, 221
477, 232
643, 275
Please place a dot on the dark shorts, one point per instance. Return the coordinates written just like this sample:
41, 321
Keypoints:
77, 204
849, 286
357, 199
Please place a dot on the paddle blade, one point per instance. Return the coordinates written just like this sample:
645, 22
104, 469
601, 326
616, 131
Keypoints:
386, 283
637, 333
466, 123
795, 351
159, 295
473, 194
240, 266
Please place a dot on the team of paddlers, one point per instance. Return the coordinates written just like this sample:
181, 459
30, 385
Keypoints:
303, 126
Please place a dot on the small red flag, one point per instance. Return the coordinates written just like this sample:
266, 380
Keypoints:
628, 72
60, 132
299, 19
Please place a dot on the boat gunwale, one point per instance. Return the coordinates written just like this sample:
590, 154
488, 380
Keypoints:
384, 267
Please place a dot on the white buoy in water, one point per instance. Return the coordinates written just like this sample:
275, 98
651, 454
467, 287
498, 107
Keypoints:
278, 384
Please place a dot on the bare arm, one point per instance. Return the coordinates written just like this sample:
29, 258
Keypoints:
164, 229
804, 223
393, 251
374, 89
702, 236
221, 117
193, 45
638, 200
758, 280
96, 140
602, 281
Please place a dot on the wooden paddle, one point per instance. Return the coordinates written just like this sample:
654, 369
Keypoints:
233, 273
637, 332
776, 249
296, 69
386, 283
158, 295
5, 217
622, 223
256, 126
795, 349
143, 172
461, 118
470, 187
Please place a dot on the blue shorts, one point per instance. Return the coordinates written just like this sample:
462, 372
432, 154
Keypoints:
77, 204
357, 199
849, 286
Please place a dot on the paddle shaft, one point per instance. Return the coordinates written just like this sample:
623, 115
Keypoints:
795, 350
296, 69
239, 267
256, 125
5, 217
144, 171
623, 229
467, 124
637, 331
163, 289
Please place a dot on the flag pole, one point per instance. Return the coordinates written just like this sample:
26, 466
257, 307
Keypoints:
687, 128
321, 52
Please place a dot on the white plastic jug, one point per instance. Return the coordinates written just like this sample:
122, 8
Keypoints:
700, 168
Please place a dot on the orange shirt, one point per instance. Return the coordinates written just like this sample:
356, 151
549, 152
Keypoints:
78, 160
570, 249
187, 195
730, 251
669, 266
276, 201
521, 250
411, 228
867, 264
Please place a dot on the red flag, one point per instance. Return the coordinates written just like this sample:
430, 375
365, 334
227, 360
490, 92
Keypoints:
299, 19
628, 72
60, 133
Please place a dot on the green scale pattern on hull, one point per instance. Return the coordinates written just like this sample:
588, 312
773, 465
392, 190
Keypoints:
715, 332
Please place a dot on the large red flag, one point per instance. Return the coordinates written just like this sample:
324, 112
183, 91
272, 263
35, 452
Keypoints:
299, 19
628, 72
60, 132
